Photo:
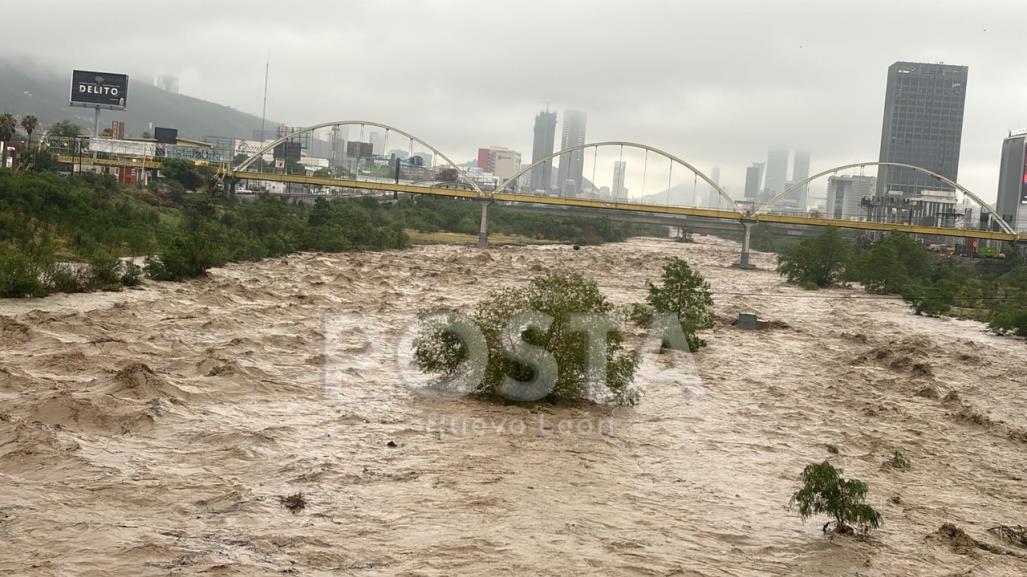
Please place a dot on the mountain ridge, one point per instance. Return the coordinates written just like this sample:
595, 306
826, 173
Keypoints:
30, 89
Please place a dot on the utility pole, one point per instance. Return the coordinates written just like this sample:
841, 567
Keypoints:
263, 114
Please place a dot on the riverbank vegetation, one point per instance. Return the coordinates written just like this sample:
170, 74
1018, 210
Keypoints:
991, 290
59, 234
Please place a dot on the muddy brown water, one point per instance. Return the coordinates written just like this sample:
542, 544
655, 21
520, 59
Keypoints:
154, 431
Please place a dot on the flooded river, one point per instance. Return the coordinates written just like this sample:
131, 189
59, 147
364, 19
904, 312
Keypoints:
155, 431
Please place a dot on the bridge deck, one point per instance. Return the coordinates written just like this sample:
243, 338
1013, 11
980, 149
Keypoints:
623, 206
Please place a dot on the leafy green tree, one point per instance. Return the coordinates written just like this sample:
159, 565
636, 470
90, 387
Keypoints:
187, 173
684, 293
567, 300
65, 129
818, 262
824, 490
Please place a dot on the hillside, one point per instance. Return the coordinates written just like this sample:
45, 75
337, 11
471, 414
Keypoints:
25, 89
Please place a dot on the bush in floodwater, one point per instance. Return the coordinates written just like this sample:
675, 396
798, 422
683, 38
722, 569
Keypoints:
574, 307
105, 271
131, 274
64, 278
682, 292
816, 262
20, 275
898, 461
824, 490
184, 258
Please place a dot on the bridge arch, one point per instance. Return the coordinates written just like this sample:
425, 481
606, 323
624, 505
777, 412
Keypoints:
796, 186
257, 155
674, 159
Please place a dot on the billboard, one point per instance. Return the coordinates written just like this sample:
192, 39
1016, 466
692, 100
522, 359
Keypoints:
165, 135
122, 147
99, 89
290, 151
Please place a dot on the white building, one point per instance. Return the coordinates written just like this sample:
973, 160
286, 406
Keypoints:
844, 196
620, 169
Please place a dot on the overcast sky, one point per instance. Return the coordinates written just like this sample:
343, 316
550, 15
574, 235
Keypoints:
714, 82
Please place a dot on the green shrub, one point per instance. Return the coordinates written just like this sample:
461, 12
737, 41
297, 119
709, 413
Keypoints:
1010, 322
63, 278
816, 262
684, 293
898, 461
566, 374
131, 274
640, 314
104, 270
21, 275
824, 490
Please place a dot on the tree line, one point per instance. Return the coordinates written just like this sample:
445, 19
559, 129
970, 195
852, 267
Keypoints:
60, 234
990, 290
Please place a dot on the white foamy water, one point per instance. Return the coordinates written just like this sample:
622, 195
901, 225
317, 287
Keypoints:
152, 432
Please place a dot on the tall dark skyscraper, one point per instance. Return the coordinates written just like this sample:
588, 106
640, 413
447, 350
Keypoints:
777, 171
1012, 181
800, 172
572, 165
923, 126
753, 180
545, 138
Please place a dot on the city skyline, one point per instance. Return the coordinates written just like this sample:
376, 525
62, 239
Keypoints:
815, 85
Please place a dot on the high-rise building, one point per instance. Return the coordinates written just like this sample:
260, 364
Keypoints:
572, 165
338, 146
712, 199
502, 162
777, 171
753, 180
545, 139
620, 169
377, 140
800, 172
1012, 181
117, 129
845, 195
923, 126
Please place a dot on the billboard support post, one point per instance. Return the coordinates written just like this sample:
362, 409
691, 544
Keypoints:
96, 123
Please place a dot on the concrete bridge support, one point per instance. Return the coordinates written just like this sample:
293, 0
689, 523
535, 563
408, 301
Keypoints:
743, 259
483, 232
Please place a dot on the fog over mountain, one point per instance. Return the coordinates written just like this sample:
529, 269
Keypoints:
714, 83
28, 89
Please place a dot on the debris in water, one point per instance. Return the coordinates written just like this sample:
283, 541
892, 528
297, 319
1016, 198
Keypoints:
294, 503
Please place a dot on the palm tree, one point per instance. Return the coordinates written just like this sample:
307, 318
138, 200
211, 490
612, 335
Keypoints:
8, 125
29, 123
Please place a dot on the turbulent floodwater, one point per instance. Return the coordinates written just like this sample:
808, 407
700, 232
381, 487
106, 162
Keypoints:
153, 432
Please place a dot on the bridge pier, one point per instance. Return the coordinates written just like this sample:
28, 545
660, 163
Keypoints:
743, 259
483, 232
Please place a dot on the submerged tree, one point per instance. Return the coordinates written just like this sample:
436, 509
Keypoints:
824, 490
548, 341
818, 262
684, 293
